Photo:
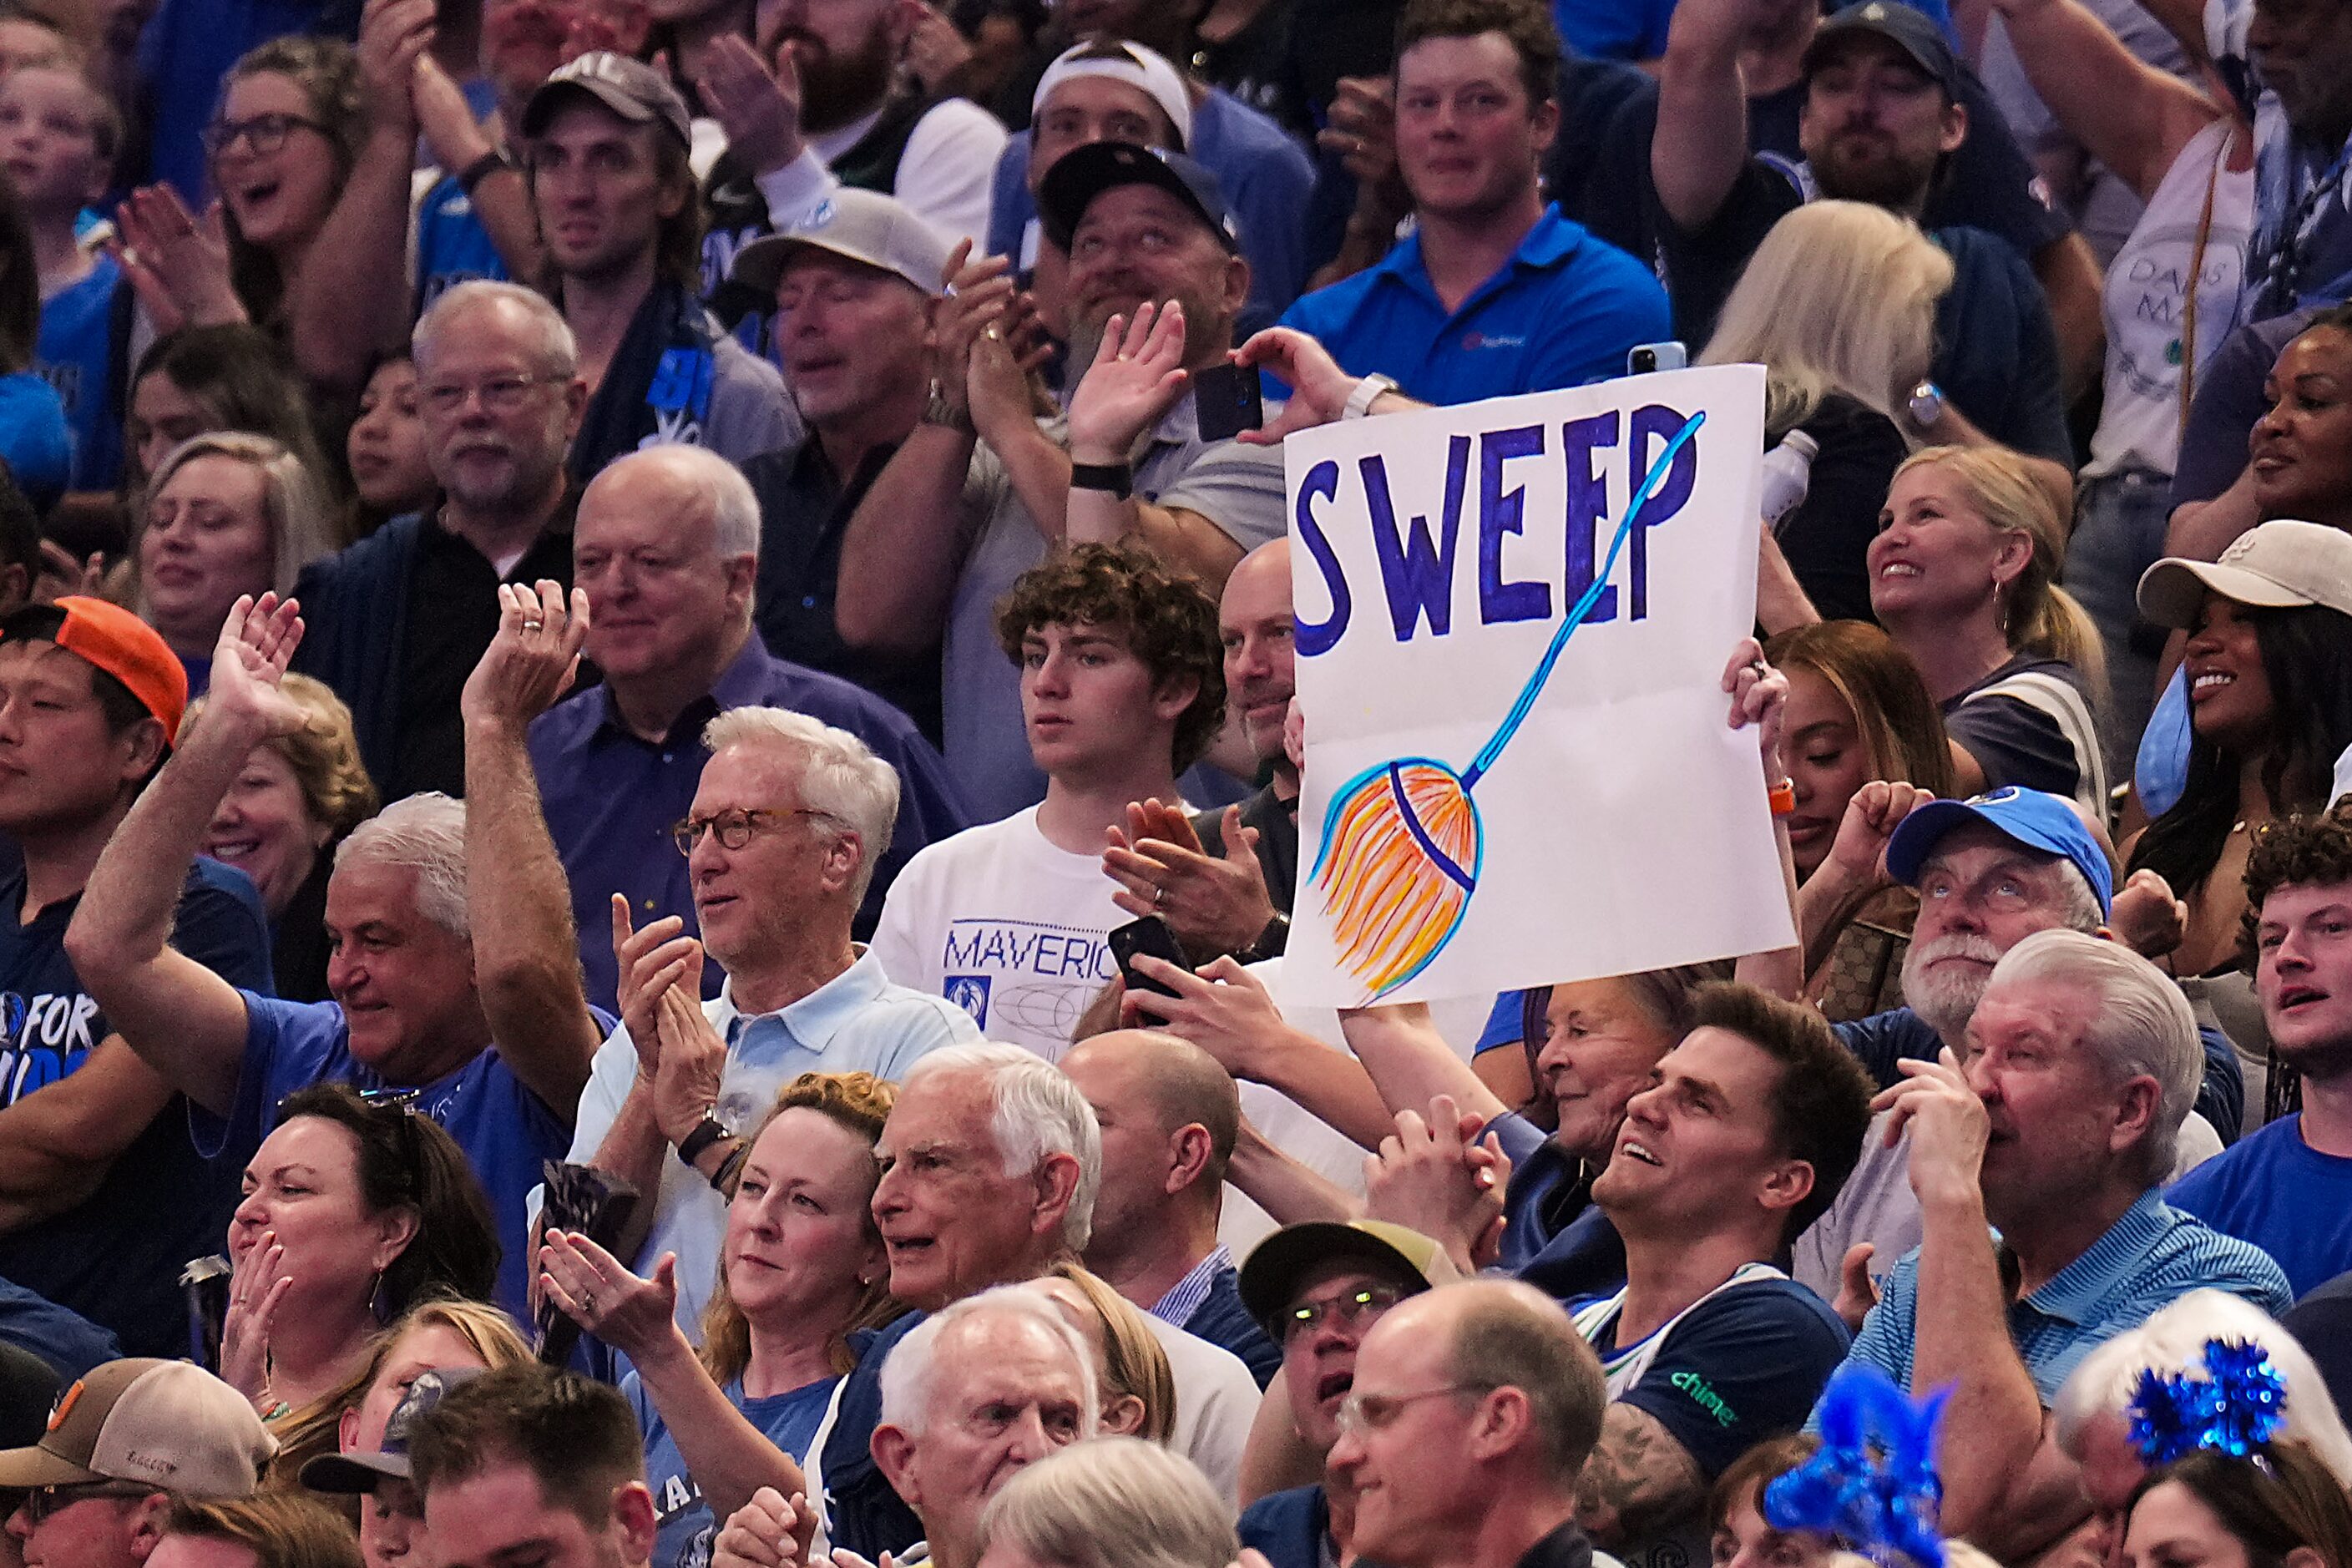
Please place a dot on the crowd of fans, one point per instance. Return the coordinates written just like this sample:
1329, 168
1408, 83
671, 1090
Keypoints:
605, 605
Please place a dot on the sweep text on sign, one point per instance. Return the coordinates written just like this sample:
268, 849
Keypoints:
1418, 566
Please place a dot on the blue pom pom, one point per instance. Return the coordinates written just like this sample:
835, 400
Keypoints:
2236, 1408
1872, 1483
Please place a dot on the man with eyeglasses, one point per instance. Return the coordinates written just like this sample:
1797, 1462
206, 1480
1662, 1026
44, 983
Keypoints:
397, 622
1474, 1416
1317, 1288
667, 547
124, 1444
782, 837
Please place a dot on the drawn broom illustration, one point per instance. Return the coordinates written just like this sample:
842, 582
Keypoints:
1402, 842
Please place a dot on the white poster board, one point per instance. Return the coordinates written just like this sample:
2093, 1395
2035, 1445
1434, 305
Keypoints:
1497, 794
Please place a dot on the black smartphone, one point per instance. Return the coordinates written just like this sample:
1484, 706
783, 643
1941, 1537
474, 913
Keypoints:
1151, 934
1227, 401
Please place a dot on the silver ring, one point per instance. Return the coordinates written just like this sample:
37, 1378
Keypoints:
532, 626
1158, 898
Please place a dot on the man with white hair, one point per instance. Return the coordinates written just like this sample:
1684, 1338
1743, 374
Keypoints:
439, 994
991, 1160
970, 1397
499, 391
2053, 1125
666, 546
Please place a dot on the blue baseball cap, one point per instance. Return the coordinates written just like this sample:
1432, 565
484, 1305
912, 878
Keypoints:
2047, 823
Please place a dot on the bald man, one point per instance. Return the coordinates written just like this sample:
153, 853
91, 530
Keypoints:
1473, 1409
1199, 878
1169, 1115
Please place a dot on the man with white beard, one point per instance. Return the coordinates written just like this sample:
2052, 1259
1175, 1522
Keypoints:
1991, 871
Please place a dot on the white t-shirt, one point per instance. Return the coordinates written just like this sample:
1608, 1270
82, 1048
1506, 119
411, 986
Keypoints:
944, 175
1007, 927
1216, 1399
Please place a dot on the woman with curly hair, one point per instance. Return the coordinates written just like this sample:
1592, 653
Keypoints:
803, 1279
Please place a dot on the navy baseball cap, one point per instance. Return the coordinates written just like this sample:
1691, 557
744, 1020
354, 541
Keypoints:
2047, 823
1906, 26
1081, 175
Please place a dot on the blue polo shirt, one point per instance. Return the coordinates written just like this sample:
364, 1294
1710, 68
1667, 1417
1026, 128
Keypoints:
2149, 1258
610, 798
505, 1129
1563, 312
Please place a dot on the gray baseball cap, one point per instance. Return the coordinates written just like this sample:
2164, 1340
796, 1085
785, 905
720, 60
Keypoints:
630, 88
867, 226
358, 1473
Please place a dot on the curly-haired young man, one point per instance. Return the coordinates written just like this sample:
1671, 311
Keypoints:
1122, 688
2287, 1189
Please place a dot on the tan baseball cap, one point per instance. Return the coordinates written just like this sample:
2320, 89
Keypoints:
169, 1425
2276, 566
1270, 1275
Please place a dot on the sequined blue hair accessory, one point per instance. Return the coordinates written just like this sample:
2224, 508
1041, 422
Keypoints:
1872, 1483
2236, 1407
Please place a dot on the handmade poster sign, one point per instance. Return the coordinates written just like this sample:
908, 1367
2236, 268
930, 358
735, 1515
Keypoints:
1512, 621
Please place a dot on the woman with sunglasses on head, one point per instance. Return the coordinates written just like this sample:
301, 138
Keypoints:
802, 1279
355, 1210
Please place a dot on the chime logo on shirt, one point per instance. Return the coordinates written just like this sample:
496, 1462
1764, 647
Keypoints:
46, 1036
1704, 1395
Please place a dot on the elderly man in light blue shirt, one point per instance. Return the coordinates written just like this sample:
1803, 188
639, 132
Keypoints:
788, 821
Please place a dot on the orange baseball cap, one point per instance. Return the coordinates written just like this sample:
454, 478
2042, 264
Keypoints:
127, 649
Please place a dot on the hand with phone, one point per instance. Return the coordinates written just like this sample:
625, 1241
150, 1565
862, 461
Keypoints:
1148, 935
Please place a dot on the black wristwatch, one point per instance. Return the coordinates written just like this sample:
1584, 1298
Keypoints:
1270, 941
482, 168
707, 1131
1115, 477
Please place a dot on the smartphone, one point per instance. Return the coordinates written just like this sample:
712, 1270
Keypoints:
1226, 399
1151, 934
1647, 358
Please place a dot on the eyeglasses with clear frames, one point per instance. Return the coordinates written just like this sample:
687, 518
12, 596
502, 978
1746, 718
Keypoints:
1354, 1309
734, 828
499, 394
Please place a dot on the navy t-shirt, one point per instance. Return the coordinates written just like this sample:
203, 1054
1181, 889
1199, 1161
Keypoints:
116, 1257
2281, 1193
2014, 741
1292, 1528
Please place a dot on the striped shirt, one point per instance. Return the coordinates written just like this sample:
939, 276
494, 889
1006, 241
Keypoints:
2146, 1260
1186, 1296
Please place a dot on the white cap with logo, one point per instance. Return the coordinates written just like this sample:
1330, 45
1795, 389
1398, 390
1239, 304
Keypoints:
864, 225
2276, 565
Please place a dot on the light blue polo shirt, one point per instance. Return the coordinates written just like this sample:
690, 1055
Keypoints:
1563, 312
2148, 1259
856, 1022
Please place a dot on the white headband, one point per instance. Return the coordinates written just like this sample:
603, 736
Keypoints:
1133, 64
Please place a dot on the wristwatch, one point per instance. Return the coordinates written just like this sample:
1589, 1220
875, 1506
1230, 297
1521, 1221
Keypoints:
1926, 405
1367, 391
707, 1131
482, 168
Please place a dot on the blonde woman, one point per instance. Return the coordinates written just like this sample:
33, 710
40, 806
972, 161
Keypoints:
1838, 304
801, 1275
1964, 577
1136, 1384
226, 514
298, 797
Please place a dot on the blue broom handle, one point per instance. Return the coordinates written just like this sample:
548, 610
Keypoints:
1534, 688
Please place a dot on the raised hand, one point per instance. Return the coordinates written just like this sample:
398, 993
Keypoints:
532, 659
394, 35
1319, 389
256, 640
1759, 696
1213, 903
1857, 1291
771, 1530
936, 48
977, 304
1947, 1125
178, 266
1222, 1009
1427, 1174
1137, 376
693, 1059
597, 1292
759, 108
2146, 917
651, 962
256, 1288
1871, 816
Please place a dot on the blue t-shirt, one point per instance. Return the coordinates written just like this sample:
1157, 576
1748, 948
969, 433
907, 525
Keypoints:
34, 440
2281, 1193
1562, 312
452, 246
684, 1526
76, 355
1614, 30
505, 1129
115, 1257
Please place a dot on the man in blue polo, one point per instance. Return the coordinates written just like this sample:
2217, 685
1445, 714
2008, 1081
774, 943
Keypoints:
666, 548
1495, 292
